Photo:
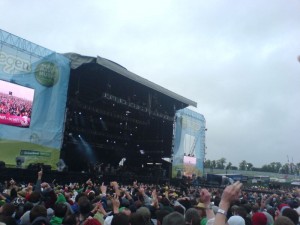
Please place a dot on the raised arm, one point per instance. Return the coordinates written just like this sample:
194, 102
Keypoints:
230, 194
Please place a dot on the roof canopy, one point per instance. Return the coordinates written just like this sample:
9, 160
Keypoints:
77, 60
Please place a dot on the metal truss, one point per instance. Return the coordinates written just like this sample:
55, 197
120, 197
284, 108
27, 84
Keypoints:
23, 45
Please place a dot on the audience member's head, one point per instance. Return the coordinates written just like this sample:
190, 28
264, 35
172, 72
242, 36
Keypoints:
7, 220
69, 219
283, 220
236, 220
241, 211
255, 208
270, 219
137, 219
259, 218
173, 218
84, 205
7, 209
192, 215
145, 212
291, 214
120, 219
37, 211
35, 197
160, 214
60, 210
179, 209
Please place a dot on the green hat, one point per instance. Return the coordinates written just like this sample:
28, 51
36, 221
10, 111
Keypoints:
60, 199
2, 202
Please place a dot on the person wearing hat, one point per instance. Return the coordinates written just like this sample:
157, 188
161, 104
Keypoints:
259, 218
202, 212
236, 220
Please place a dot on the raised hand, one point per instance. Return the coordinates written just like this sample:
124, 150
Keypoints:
116, 203
231, 193
40, 174
135, 184
103, 188
205, 196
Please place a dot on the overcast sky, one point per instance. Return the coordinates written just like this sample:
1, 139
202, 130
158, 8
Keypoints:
236, 59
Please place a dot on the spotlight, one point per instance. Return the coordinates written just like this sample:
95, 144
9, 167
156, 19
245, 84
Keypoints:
79, 135
79, 113
100, 118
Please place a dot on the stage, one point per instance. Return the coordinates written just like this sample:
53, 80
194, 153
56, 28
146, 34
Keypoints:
24, 176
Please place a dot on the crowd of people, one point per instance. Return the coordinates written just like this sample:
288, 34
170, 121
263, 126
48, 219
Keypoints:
93, 203
11, 105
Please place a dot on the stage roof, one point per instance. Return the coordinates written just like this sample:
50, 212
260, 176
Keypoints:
78, 60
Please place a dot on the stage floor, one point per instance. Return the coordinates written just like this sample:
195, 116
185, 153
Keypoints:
25, 176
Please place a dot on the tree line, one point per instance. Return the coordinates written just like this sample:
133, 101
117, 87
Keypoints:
273, 167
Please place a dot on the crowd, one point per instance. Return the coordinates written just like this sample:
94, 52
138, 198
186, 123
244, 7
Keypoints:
92, 203
15, 106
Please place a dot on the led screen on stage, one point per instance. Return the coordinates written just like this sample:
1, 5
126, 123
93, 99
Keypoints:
15, 104
189, 164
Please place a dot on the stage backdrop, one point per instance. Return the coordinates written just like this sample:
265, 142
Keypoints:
33, 94
189, 144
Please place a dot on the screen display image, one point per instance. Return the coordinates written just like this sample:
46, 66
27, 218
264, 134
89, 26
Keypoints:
15, 104
189, 164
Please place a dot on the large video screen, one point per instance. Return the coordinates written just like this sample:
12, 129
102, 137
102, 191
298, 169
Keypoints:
189, 164
15, 104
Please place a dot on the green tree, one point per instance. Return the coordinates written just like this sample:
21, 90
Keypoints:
229, 165
266, 168
242, 165
275, 166
285, 169
207, 163
221, 163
